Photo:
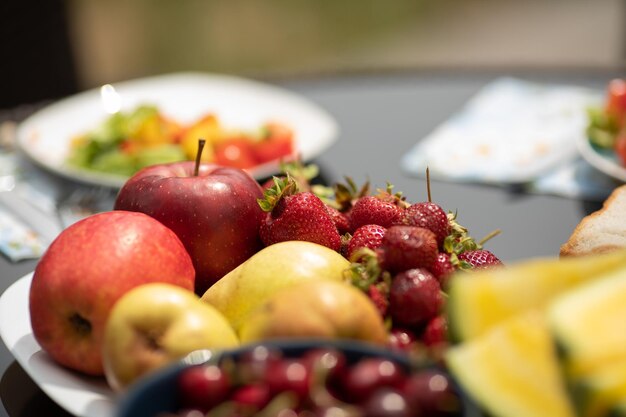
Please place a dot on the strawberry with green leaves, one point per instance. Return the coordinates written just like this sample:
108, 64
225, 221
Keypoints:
384, 209
293, 215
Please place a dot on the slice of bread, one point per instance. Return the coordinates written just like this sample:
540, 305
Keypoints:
601, 231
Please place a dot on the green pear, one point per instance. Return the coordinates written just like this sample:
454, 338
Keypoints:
316, 309
156, 324
274, 267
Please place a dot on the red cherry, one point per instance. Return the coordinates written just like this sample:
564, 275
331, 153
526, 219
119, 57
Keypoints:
253, 364
431, 393
255, 395
288, 375
203, 387
369, 375
401, 340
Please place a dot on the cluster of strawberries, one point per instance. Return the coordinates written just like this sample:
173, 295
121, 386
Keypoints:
402, 254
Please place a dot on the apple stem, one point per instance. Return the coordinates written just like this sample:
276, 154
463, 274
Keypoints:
201, 143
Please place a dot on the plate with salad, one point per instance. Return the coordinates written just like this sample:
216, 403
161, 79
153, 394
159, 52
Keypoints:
105, 135
604, 146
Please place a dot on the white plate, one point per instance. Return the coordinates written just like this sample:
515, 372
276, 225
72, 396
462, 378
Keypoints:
604, 161
80, 395
240, 103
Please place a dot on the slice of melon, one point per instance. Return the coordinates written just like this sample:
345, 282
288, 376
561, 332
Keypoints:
589, 324
479, 300
596, 394
512, 370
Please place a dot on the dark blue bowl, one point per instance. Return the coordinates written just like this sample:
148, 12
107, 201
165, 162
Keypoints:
157, 393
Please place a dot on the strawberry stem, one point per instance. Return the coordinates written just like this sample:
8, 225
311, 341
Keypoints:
489, 236
430, 200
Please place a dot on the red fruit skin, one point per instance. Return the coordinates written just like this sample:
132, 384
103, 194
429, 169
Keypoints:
378, 298
252, 395
480, 259
401, 340
408, 247
203, 387
431, 393
414, 298
342, 223
372, 210
301, 216
289, 375
616, 100
442, 268
368, 375
86, 269
436, 332
236, 152
367, 236
429, 216
215, 214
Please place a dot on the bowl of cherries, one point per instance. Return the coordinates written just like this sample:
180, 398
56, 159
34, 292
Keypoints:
299, 379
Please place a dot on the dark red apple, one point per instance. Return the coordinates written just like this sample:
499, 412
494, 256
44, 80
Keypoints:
86, 269
215, 214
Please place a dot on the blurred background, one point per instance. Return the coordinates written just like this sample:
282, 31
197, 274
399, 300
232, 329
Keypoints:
54, 48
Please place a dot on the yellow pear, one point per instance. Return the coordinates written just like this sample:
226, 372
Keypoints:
155, 324
269, 270
316, 309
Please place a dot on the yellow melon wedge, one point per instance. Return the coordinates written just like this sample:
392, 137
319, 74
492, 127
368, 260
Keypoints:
479, 300
596, 394
589, 324
512, 370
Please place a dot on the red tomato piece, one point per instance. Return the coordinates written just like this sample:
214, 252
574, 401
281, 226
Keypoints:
616, 100
273, 148
237, 153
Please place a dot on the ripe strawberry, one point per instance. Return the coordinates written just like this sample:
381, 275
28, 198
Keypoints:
374, 210
367, 236
293, 215
436, 331
429, 216
407, 247
414, 298
480, 258
340, 219
442, 268
378, 295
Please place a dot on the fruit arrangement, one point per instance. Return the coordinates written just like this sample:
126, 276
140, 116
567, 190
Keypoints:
317, 380
606, 123
202, 256
126, 142
402, 254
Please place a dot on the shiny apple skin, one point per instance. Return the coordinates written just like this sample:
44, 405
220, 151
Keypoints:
86, 269
215, 214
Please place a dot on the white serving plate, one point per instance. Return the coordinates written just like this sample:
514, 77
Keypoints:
240, 103
606, 162
78, 394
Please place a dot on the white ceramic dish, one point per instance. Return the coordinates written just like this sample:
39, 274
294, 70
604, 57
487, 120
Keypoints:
604, 161
246, 104
79, 395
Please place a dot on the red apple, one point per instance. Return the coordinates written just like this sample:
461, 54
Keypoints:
86, 269
215, 214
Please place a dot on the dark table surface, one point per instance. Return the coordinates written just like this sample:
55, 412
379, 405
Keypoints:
380, 118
